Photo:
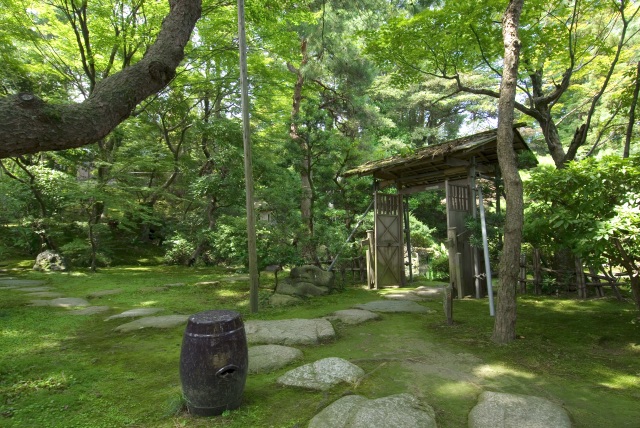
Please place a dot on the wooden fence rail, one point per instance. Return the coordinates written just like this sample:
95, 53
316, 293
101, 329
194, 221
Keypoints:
580, 280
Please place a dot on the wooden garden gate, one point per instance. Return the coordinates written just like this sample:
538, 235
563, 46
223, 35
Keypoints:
389, 245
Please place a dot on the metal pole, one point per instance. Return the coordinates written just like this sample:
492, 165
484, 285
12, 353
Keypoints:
248, 168
485, 244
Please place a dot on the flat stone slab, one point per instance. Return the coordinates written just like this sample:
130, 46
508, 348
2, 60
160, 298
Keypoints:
132, 313
428, 292
496, 409
62, 302
207, 284
356, 411
32, 289
90, 310
322, 374
289, 332
21, 282
394, 306
176, 284
50, 294
102, 293
267, 358
353, 316
404, 295
167, 321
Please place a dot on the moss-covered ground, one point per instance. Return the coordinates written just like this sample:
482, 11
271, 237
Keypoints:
63, 370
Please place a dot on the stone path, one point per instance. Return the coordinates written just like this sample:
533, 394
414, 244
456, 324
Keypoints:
272, 348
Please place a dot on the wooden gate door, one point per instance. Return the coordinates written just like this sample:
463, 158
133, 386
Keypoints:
389, 251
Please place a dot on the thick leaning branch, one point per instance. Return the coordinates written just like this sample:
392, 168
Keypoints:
30, 125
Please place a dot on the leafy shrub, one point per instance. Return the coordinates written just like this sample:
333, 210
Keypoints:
179, 252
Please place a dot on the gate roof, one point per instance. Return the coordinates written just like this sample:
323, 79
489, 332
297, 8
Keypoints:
430, 166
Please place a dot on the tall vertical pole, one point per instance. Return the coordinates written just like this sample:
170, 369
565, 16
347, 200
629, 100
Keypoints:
487, 264
248, 164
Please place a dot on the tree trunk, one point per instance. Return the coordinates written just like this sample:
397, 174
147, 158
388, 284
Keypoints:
632, 115
29, 124
504, 330
304, 165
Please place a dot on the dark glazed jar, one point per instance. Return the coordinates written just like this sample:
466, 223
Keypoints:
214, 362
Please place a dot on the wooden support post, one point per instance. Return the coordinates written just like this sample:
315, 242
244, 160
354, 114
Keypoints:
594, 278
448, 289
523, 273
537, 272
580, 281
459, 275
371, 274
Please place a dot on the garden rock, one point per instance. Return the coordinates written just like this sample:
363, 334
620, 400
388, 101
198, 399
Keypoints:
283, 300
207, 284
103, 293
353, 316
288, 332
307, 281
167, 321
404, 295
62, 302
33, 289
12, 282
322, 374
356, 411
394, 306
267, 358
132, 313
49, 261
49, 294
90, 310
496, 409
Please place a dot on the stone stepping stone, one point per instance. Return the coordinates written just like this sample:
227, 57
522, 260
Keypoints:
177, 284
289, 332
268, 358
167, 321
323, 374
428, 292
497, 409
404, 295
132, 313
207, 284
102, 293
394, 306
21, 282
353, 316
91, 310
356, 411
50, 294
32, 289
62, 302
236, 278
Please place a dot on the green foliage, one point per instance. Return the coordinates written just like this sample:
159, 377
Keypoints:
586, 205
180, 250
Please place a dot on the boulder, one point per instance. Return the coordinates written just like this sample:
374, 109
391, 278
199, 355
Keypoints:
353, 316
307, 281
49, 261
394, 306
267, 358
322, 374
496, 409
283, 300
289, 332
356, 411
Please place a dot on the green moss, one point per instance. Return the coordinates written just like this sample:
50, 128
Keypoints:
63, 370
